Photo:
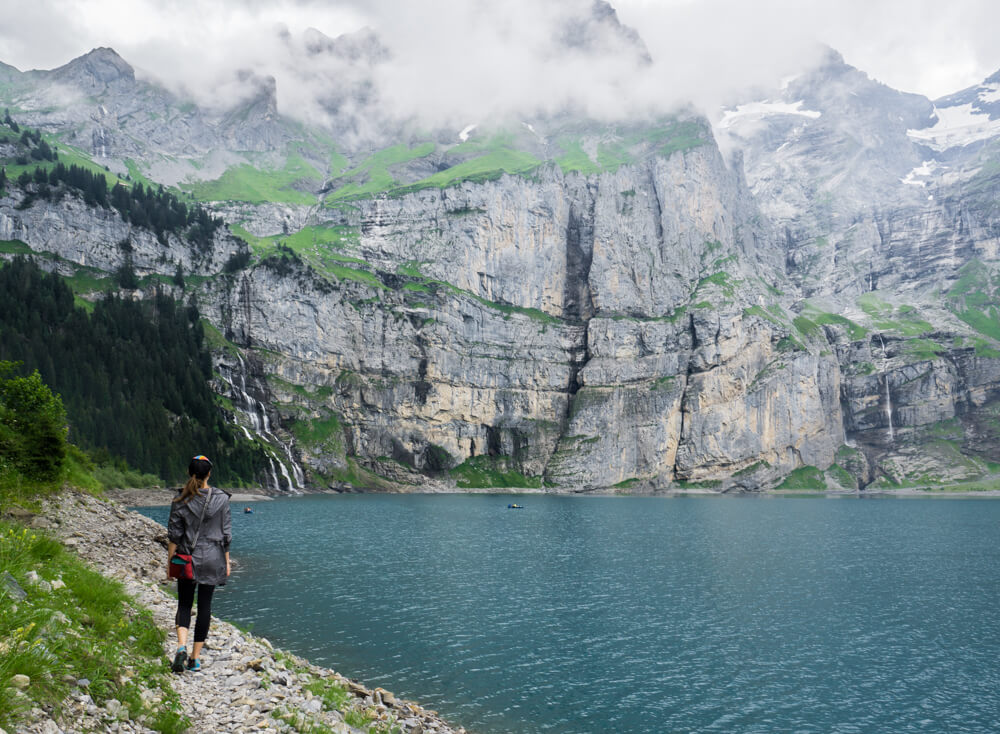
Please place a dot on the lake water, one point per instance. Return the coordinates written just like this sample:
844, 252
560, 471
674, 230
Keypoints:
639, 615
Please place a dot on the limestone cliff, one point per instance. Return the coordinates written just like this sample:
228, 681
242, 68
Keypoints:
584, 307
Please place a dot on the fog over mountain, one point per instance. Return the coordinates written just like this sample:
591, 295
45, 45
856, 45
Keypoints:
450, 62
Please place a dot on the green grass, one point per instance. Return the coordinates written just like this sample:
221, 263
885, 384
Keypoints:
663, 383
319, 431
356, 476
320, 248
68, 155
805, 477
113, 477
841, 477
698, 483
887, 317
986, 322
823, 318
754, 467
488, 166
575, 158
254, 185
215, 339
767, 315
807, 327
374, 176
14, 247
924, 349
428, 285
89, 629
481, 472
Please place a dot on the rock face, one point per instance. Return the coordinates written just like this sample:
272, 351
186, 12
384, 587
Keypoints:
826, 301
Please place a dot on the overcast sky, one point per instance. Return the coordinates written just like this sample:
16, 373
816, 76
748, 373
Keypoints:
463, 58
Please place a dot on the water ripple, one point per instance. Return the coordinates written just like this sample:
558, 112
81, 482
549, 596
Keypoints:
640, 615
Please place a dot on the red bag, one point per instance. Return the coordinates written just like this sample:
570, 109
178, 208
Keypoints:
181, 567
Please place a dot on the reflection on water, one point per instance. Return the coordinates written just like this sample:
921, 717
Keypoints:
693, 614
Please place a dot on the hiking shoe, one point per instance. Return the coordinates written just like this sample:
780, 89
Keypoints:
194, 664
179, 659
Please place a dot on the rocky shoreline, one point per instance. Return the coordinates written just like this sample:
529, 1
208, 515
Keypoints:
246, 685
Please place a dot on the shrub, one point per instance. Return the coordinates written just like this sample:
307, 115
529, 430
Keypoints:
32, 424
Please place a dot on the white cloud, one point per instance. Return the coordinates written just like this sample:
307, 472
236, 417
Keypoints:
456, 62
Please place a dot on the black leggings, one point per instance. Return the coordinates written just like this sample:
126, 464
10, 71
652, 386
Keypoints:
185, 600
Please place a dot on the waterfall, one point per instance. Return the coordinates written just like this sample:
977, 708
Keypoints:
254, 412
888, 394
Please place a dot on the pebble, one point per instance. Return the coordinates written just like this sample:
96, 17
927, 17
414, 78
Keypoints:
227, 695
20, 681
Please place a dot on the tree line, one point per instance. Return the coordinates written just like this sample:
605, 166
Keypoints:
150, 207
133, 375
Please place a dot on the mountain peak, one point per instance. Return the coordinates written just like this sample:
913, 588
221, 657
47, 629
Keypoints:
602, 31
98, 67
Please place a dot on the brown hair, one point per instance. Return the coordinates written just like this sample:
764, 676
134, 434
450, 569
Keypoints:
198, 471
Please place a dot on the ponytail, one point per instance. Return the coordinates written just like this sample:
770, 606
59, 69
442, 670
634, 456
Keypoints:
198, 471
191, 489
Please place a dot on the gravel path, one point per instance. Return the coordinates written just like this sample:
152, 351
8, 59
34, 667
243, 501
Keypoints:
245, 684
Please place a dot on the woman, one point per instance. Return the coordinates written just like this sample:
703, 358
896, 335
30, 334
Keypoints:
201, 526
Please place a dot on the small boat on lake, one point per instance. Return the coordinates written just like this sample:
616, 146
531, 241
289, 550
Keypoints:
247, 510
515, 506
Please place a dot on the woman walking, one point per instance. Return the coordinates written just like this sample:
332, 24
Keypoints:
200, 525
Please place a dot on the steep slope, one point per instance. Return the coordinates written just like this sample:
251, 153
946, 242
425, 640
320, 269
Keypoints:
889, 207
576, 305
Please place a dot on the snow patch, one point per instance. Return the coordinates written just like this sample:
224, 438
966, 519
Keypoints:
956, 126
464, 135
760, 110
925, 169
990, 94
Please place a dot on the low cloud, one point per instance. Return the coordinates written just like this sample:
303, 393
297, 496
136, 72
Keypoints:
449, 63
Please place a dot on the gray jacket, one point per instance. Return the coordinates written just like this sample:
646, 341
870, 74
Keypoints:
213, 540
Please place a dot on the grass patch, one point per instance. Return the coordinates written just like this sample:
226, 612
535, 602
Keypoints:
924, 349
428, 285
698, 484
887, 317
752, 469
254, 185
805, 477
481, 472
318, 431
216, 341
81, 626
841, 477
14, 247
855, 331
373, 175
574, 158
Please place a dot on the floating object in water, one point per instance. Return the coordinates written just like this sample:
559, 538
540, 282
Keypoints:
515, 507
247, 510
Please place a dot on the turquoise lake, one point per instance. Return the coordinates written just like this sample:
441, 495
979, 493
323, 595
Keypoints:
638, 615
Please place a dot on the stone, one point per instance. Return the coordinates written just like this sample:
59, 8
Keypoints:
58, 584
19, 514
13, 588
20, 681
113, 707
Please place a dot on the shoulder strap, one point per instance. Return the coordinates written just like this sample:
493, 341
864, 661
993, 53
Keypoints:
201, 519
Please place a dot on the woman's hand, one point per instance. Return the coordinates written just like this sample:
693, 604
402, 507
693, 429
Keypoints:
228, 567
